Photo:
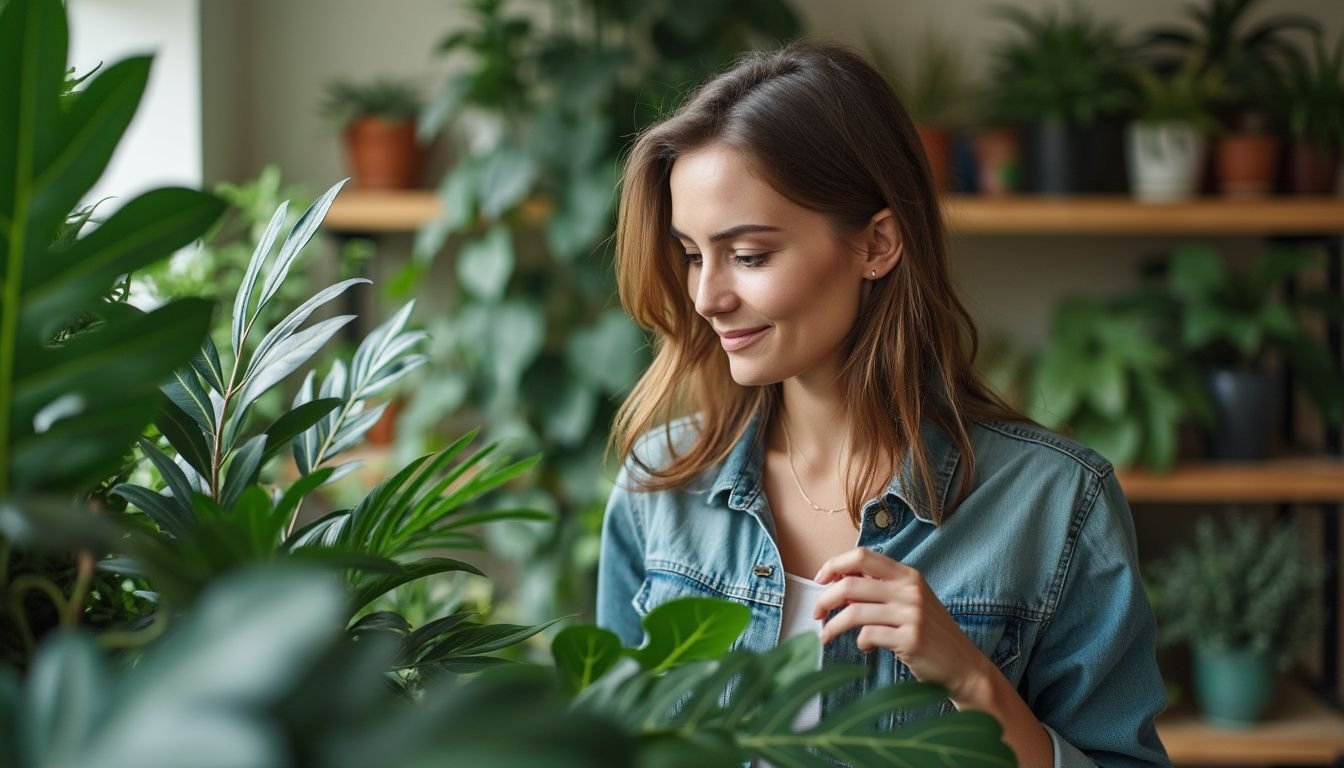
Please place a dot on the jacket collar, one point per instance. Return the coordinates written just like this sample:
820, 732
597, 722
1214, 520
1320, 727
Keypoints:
740, 474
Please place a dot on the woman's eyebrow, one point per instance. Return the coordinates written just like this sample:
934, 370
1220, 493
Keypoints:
727, 234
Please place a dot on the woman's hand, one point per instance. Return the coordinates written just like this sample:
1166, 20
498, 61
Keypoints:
893, 608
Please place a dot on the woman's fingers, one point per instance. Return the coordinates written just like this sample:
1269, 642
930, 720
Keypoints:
864, 561
855, 616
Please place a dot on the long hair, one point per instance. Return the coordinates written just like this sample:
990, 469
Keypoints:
825, 130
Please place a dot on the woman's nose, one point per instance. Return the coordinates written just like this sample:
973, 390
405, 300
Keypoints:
711, 291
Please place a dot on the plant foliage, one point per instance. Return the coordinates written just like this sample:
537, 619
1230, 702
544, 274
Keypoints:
1237, 586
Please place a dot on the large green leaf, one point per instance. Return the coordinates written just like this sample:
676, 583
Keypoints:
690, 629
583, 654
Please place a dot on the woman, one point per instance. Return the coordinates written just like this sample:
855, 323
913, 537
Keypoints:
811, 439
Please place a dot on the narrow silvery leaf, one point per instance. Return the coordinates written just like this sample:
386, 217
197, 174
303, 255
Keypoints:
398, 347
298, 238
353, 429
296, 318
244, 297
370, 350
305, 445
197, 480
288, 355
341, 470
334, 385
394, 374
243, 470
217, 405
208, 366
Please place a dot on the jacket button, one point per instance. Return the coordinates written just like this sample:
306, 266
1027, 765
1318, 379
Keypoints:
763, 571
882, 519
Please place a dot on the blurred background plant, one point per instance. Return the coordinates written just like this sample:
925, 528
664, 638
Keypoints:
535, 345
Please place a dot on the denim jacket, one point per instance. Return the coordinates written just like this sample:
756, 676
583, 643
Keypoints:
1037, 565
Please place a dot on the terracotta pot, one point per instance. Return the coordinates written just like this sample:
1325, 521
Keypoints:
998, 159
1311, 170
1246, 164
938, 147
383, 154
384, 431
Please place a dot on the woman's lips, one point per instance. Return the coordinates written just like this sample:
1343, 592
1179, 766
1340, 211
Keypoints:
734, 341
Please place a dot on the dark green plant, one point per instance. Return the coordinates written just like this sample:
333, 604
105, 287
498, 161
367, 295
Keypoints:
1250, 56
1237, 586
1312, 96
1187, 94
1229, 318
388, 99
536, 347
1062, 66
934, 88
1105, 376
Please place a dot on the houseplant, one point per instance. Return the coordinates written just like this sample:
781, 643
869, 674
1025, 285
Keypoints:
1251, 57
1166, 145
1063, 77
1245, 600
1229, 323
378, 126
255, 629
1104, 376
932, 90
1312, 103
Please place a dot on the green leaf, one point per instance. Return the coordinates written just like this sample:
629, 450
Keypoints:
242, 317
371, 588
163, 510
147, 229
186, 392
295, 423
184, 434
485, 265
608, 353
505, 178
583, 654
690, 629
242, 471
68, 692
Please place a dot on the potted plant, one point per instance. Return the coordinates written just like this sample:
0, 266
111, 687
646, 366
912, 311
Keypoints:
932, 94
1312, 97
1062, 78
1104, 376
1229, 322
378, 121
1165, 146
1245, 600
1251, 58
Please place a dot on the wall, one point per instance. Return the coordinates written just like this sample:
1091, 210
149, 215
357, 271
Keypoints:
162, 146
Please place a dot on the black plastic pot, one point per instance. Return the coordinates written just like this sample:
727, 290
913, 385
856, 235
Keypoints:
1243, 404
1061, 158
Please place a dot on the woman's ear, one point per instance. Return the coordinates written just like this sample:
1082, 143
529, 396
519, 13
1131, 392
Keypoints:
883, 247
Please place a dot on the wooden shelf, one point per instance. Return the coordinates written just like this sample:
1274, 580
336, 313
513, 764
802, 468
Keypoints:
381, 212
1304, 481
1301, 730
1113, 215
406, 211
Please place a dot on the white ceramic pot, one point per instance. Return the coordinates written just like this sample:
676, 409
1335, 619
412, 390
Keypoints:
1165, 160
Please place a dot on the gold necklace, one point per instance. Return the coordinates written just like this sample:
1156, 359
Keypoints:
788, 445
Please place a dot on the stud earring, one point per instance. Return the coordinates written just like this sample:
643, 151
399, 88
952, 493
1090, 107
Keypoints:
874, 274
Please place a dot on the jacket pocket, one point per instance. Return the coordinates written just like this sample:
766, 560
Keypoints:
664, 584
999, 638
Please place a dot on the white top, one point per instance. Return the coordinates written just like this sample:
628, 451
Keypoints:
800, 599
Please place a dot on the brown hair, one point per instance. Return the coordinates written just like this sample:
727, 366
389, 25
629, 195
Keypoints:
825, 130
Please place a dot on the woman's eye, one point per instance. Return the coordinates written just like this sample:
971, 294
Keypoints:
691, 258
751, 259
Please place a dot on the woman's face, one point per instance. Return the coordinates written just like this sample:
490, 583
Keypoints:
772, 278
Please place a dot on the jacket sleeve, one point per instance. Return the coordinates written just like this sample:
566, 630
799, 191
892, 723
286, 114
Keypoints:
620, 565
1093, 682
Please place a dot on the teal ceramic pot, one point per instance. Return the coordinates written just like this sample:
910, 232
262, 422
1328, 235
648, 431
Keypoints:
1233, 687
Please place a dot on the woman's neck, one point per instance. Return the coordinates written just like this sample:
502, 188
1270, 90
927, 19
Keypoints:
816, 420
